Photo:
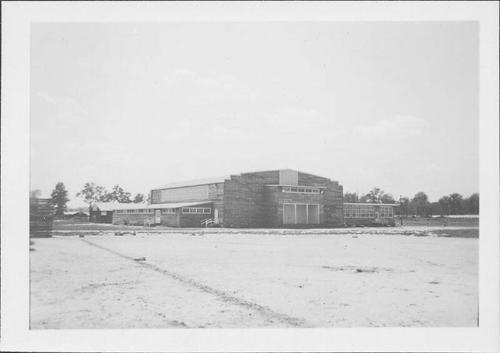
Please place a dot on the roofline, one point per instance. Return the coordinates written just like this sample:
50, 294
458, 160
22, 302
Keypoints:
300, 186
184, 186
229, 176
173, 205
371, 204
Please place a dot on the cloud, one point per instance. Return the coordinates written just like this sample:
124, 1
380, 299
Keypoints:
188, 85
401, 126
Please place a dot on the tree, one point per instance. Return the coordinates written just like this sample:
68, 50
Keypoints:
119, 195
420, 204
387, 198
59, 198
377, 195
351, 197
139, 198
456, 203
404, 206
444, 204
472, 204
92, 193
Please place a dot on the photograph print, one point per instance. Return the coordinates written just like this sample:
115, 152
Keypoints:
289, 174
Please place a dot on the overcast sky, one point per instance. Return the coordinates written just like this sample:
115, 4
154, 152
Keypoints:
392, 105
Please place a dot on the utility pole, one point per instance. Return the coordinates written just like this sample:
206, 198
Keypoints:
401, 209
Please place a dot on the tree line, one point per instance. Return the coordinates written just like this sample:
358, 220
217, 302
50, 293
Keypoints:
91, 192
453, 204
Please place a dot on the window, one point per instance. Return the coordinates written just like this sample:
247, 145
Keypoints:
168, 211
104, 213
196, 210
387, 212
301, 190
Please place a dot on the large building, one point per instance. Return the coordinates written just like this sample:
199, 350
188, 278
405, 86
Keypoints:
277, 198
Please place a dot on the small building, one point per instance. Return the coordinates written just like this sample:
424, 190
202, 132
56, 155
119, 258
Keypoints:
41, 217
369, 214
102, 212
78, 216
277, 198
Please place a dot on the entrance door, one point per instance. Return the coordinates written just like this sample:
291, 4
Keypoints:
313, 214
288, 213
301, 214
157, 216
296, 213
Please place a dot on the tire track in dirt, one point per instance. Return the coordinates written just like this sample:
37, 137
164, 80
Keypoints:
268, 313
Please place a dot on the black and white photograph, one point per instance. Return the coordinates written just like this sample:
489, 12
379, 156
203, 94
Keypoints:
194, 174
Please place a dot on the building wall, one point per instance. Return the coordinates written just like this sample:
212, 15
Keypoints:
330, 201
193, 220
213, 192
333, 211
356, 222
276, 198
244, 201
170, 220
216, 195
97, 216
132, 219
372, 215
187, 193
249, 203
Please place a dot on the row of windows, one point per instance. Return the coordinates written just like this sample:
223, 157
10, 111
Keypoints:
155, 196
302, 190
196, 210
185, 210
366, 212
139, 211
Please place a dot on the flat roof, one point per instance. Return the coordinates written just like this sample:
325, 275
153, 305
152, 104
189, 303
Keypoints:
133, 206
299, 186
370, 204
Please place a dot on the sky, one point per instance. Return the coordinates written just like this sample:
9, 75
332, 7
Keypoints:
392, 105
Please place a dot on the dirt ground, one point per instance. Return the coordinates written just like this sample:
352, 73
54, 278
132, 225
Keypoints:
219, 279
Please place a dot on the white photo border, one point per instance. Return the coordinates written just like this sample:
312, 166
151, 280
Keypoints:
17, 18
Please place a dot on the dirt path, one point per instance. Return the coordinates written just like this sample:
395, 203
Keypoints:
78, 284
266, 312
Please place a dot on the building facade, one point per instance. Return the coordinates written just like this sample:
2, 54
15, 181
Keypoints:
176, 214
369, 214
270, 199
277, 198
102, 212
